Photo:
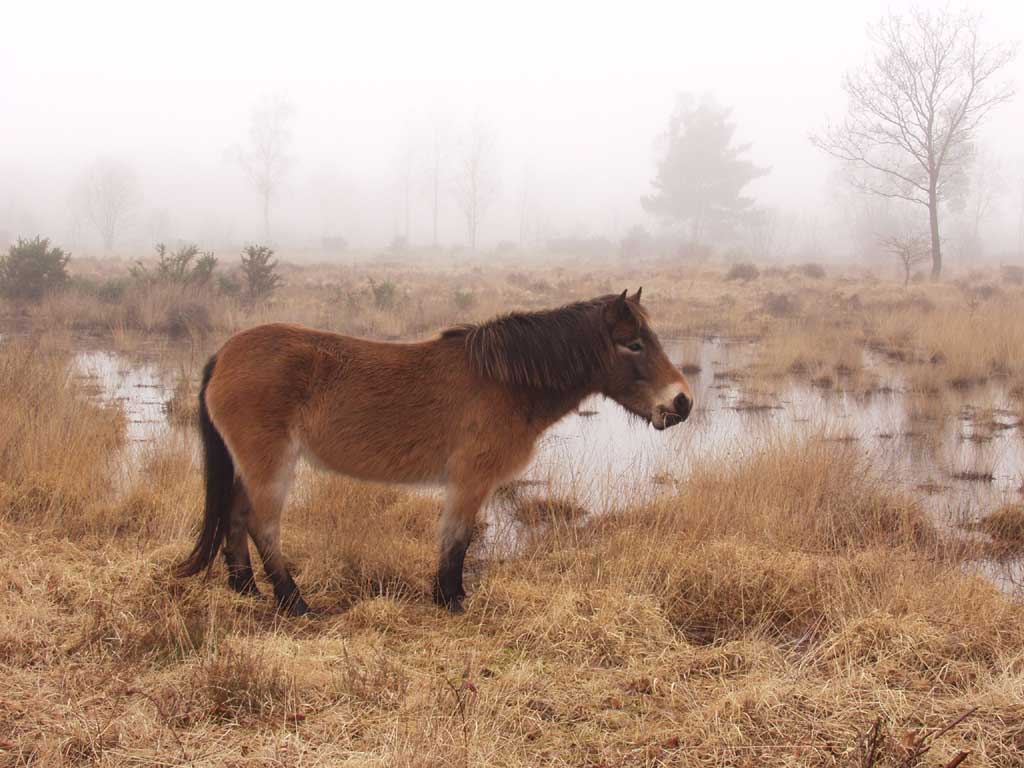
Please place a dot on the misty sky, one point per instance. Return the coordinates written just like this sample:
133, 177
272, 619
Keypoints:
575, 92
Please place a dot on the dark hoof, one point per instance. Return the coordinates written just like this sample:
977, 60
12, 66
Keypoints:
294, 607
244, 586
452, 603
455, 605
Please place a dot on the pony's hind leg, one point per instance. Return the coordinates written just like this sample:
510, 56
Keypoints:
236, 547
457, 523
264, 522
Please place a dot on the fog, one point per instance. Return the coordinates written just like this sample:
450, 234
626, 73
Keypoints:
572, 99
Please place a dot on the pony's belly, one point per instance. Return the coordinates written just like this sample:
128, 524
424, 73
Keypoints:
392, 462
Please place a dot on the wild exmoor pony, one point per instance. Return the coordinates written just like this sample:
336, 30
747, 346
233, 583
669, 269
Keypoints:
464, 409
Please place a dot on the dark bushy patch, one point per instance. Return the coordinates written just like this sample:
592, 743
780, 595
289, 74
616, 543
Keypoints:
229, 285
259, 272
185, 266
109, 291
743, 271
812, 270
384, 293
32, 268
1013, 274
188, 319
463, 299
780, 304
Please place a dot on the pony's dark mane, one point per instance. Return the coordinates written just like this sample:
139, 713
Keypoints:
555, 349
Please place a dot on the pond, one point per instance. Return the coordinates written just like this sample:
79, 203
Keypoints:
142, 388
960, 468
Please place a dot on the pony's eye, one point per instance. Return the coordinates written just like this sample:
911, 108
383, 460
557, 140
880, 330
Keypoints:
635, 346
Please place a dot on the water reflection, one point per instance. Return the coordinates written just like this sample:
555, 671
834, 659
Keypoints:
141, 388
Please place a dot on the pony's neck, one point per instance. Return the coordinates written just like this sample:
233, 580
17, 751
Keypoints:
555, 405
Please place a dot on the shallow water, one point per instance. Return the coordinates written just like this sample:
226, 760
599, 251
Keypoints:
142, 389
604, 458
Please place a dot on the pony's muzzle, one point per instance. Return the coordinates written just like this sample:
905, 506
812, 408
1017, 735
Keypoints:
677, 413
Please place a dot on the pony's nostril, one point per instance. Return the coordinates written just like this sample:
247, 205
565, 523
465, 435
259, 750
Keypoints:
682, 405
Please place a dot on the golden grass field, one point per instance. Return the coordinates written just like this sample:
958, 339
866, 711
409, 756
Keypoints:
790, 608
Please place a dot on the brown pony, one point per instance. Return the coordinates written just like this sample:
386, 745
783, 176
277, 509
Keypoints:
464, 409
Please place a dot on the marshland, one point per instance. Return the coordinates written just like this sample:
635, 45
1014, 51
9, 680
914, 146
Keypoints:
829, 540
823, 565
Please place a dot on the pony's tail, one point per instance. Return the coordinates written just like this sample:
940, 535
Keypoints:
220, 482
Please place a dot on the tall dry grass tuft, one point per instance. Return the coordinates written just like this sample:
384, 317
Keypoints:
354, 541
159, 498
824, 352
242, 683
58, 447
965, 342
815, 495
176, 311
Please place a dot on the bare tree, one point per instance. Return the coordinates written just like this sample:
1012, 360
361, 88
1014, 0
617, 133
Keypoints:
266, 160
476, 178
911, 250
108, 194
913, 110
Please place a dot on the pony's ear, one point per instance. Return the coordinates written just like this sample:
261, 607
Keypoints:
620, 317
635, 298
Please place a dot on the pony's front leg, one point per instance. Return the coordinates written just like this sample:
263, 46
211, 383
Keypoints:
457, 523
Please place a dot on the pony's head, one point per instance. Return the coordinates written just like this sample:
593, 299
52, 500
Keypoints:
603, 345
640, 377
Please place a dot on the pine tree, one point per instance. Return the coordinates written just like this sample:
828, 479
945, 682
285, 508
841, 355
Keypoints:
701, 175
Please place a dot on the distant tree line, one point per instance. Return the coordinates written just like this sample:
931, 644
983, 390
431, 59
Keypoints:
909, 137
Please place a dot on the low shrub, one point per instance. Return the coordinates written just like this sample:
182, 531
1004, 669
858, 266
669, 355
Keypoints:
463, 299
185, 266
780, 304
259, 272
1012, 274
32, 268
812, 270
384, 293
744, 271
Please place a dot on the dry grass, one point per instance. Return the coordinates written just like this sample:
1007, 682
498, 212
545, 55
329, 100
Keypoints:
827, 354
818, 496
766, 612
179, 312
655, 637
57, 447
965, 341
1005, 528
